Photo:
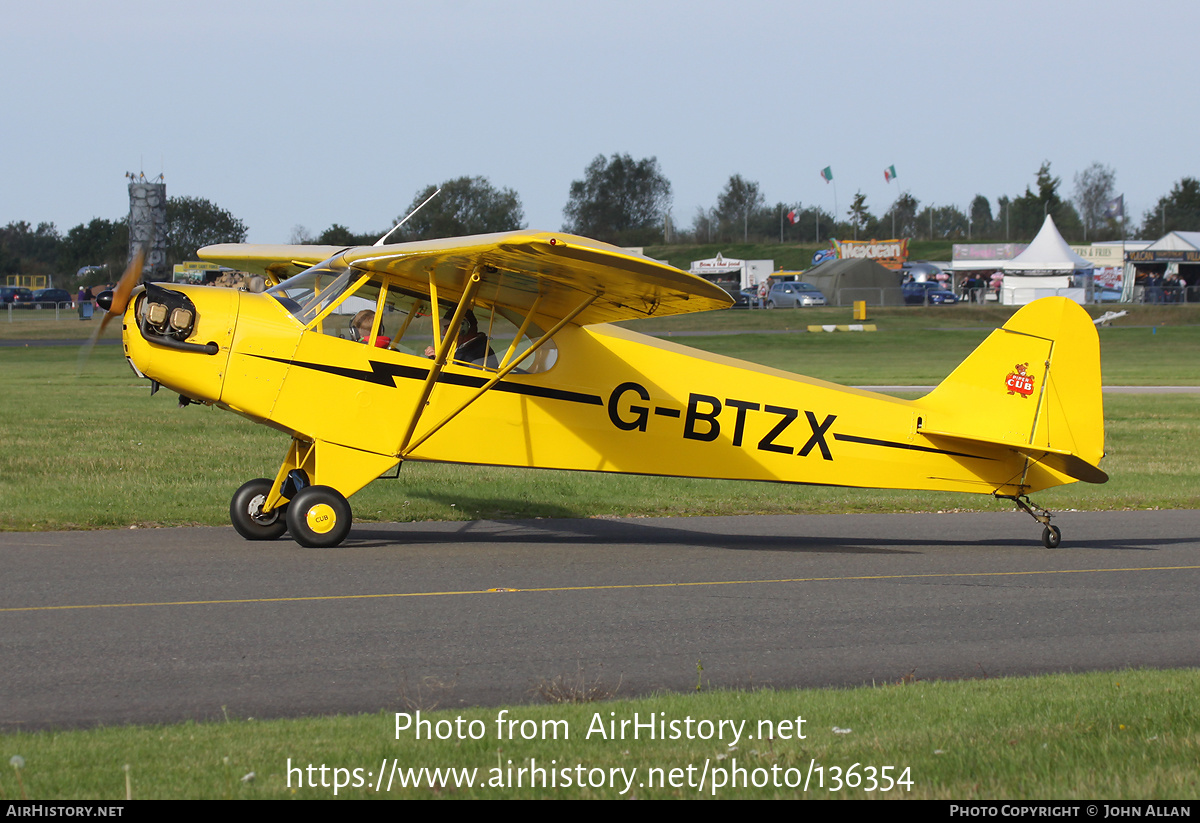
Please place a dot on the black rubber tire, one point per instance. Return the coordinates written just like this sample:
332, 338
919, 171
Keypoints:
242, 512
1051, 537
770, 304
309, 513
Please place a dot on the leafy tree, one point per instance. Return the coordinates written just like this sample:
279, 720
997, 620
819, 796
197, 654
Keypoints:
1177, 211
737, 202
1003, 217
620, 201
1094, 188
704, 224
101, 243
858, 213
193, 222
815, 225
466, 205
982, 226
339, 235
948, 222
25, 249
1028, 212
904, 212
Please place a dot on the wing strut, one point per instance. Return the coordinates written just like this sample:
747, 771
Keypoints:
500, 375
444, 344
512, 347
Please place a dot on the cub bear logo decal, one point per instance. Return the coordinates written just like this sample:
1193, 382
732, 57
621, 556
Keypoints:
1019, 381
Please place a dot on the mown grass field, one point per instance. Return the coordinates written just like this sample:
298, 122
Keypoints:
1100, 736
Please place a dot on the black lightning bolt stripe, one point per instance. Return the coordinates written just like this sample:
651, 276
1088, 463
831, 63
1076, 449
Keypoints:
385, 374
891, 444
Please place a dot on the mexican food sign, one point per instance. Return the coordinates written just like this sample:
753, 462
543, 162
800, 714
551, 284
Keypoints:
887, 253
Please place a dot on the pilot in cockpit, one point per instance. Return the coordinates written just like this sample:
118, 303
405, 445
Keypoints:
360, 329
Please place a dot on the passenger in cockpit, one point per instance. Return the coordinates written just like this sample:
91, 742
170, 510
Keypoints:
472, 344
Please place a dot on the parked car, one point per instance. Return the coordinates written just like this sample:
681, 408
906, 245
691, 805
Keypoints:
930, 292
740, 300
794, 295
920, 270
1106, 294
49, 298
17, 296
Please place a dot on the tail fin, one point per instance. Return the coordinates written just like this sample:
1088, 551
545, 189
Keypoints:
1033, 385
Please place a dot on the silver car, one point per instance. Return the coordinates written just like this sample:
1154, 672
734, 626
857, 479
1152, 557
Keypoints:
793, 296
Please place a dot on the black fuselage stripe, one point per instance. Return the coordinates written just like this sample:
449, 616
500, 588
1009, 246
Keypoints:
891, 444
383, 374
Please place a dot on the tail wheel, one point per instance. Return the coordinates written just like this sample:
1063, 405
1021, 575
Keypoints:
245, 511
318, 517
1051, 537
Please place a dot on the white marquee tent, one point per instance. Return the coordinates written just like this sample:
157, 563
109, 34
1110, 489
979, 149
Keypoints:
1047, 267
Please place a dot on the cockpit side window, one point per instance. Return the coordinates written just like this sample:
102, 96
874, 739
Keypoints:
334, 299
511, 335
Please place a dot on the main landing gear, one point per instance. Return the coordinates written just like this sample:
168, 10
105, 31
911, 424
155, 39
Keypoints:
318, 517
245, 510
1051, 535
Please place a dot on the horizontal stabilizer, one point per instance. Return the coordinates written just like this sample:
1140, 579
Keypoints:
1060, 461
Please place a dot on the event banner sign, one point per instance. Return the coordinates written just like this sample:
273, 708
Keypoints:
987, 251
887, 253
1164, 256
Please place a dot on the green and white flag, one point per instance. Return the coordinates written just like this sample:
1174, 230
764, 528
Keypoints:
827, 174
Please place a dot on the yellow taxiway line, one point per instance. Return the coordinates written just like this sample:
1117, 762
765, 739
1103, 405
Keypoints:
606, 587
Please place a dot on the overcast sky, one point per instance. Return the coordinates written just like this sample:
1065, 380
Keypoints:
310, 113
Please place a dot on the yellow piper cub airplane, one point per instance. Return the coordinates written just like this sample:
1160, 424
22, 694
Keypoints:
496, 350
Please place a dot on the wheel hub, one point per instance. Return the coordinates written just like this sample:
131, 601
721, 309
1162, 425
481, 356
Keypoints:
256, 510
321, 518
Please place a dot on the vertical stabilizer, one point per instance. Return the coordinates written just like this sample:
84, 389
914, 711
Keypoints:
1033, 385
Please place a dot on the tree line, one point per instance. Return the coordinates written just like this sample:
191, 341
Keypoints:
1093, 213
98, 251
628, 202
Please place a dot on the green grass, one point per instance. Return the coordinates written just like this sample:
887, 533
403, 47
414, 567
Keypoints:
1116, 735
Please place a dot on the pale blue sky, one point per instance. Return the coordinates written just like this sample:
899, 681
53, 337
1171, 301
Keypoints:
312, 113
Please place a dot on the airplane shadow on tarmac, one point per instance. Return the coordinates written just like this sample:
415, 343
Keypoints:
602, 531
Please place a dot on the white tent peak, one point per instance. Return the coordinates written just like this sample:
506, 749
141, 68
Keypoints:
1047, 253
1177, 241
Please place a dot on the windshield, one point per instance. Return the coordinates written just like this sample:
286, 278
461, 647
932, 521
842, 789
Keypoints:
310, 291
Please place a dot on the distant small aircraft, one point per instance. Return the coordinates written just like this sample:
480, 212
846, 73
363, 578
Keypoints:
495, 350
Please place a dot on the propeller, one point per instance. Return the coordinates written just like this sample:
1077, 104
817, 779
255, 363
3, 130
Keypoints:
114, 302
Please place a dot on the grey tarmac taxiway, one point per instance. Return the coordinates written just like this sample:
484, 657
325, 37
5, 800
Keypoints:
109, 627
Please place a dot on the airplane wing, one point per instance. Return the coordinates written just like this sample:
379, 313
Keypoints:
276, 262
515, 268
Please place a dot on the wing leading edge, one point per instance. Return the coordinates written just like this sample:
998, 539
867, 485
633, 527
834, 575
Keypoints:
517, 269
